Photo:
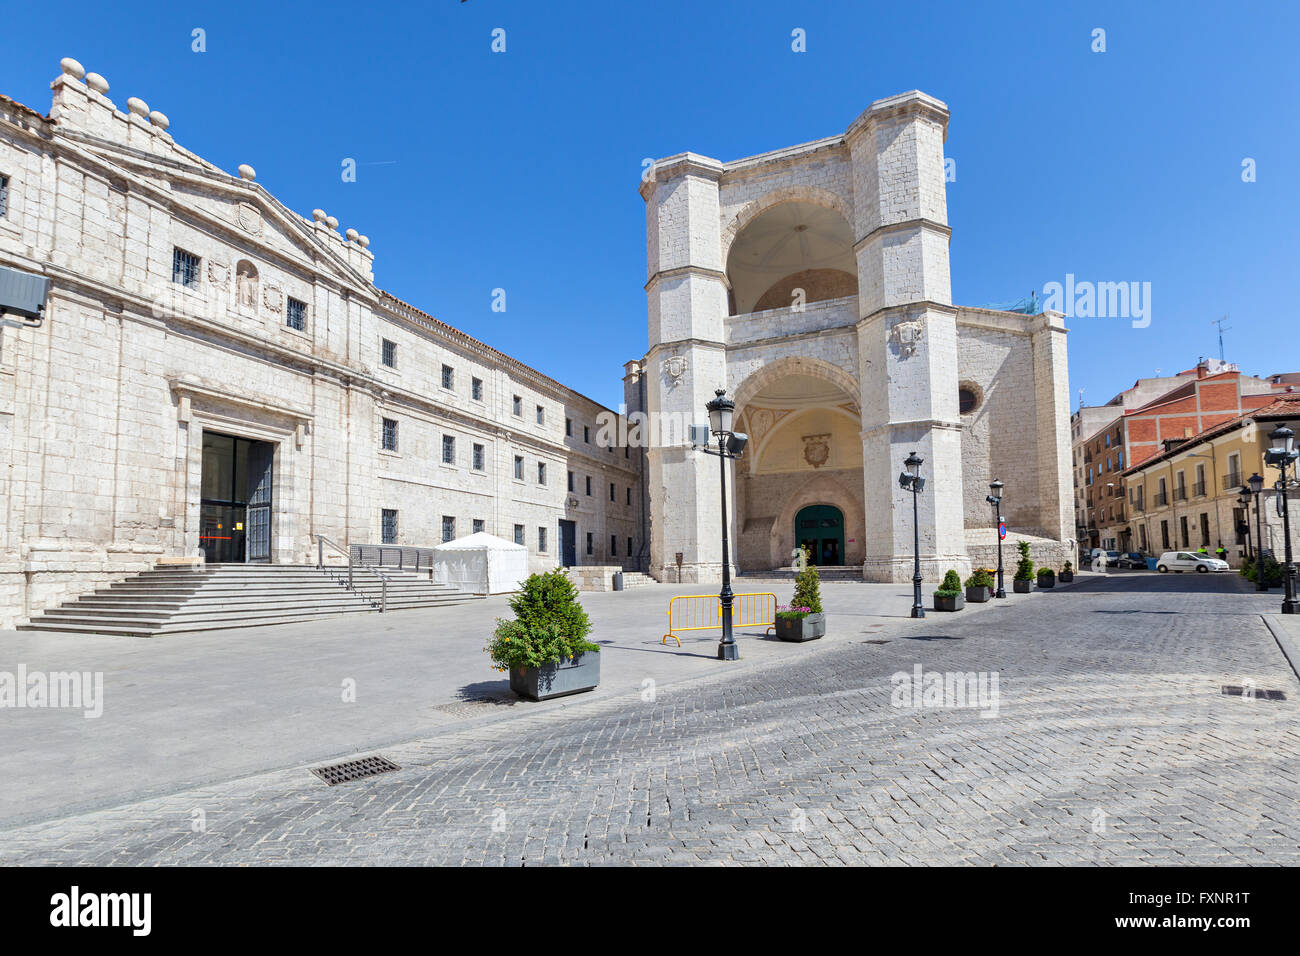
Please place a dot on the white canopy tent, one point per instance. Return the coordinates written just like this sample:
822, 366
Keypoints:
481, 563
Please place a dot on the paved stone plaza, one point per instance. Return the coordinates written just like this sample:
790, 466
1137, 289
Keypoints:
1112, 744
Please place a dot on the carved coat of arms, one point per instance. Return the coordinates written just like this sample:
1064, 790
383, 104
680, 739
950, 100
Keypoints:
816, 449
675, 368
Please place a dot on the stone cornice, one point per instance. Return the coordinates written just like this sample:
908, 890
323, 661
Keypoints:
700, 271
690, 343
906, 308
903, 226
913, 423
911, 103
682, 164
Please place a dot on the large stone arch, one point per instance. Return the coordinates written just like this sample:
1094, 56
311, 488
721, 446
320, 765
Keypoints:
761, 204
820, 490
773, 372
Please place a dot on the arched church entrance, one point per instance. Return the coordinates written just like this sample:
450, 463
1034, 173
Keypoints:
820, 530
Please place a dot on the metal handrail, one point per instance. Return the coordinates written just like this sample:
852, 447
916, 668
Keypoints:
322, 540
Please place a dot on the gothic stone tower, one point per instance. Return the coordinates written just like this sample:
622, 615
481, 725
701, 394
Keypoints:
812, 283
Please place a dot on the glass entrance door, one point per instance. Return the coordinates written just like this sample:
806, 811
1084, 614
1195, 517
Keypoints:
235, 499
820, 529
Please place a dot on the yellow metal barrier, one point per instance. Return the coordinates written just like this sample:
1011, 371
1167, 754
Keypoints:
703, 612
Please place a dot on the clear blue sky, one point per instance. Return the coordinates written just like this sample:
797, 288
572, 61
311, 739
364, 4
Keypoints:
519, 170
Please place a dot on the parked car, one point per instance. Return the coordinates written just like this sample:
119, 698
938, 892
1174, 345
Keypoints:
1111, 556
1133, 560
1181, 561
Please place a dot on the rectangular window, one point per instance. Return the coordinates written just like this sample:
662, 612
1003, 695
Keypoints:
590, 542
517, 406
586, 434
1182, 531
476, 389
541, 415
568, 427
589, 486
295, 314
4, 196
541, 540
629, 547
541, 472
570, 481
185, 268
519, 534
390, 435
389, 356
388, 531
629, 496
448, 528
478, 525
611, 491
478, 457
613, 546
448, 377
519, 467
448, 450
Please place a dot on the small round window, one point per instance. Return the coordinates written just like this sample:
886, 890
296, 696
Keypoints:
967, 400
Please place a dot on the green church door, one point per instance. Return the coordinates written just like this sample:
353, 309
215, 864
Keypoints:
820, 529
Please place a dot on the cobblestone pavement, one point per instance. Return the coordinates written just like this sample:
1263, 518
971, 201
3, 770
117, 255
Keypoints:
1112, 743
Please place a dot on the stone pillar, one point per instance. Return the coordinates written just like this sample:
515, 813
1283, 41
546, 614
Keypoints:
1052, 426
907, 336
686, 362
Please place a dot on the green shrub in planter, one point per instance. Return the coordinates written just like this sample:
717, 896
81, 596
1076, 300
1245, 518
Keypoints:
544, 648
1067, 573
949, 597
802, 619
1046, 578
979, 586
1024, 569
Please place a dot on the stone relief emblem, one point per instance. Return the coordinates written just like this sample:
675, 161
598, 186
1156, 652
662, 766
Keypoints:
273, 297
218, 272
906, 334
246, 285
250, 218
817, 449
675, 369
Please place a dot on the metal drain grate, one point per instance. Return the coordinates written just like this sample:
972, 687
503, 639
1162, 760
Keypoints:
1233, 690
355, 769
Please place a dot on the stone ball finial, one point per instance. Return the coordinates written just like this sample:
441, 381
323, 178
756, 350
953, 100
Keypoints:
332, 222
137, 106
72, 68
97, 83
247, 172
318, 215
363, 242
352, 235
159, 119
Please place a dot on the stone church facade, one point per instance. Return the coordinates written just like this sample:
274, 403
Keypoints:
812, 283
216, 375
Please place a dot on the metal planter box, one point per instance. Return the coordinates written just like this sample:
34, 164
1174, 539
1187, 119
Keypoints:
978, 595
557, 680
1046, 581
1021, 587
800, 629
954, 603
1067, 577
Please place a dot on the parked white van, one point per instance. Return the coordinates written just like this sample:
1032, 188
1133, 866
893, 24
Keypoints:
1181, 561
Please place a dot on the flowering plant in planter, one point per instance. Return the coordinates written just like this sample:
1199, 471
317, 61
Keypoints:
979, 586
548, 634
802, 619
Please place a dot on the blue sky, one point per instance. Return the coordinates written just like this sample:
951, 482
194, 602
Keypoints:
519, 170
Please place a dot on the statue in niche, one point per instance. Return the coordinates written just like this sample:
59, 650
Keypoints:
246, 285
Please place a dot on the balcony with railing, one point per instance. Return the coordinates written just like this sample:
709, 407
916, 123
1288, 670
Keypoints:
1198, 489
1232, 481
811, 317
1160, 499
1180, 494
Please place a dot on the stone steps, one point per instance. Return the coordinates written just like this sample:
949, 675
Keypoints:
828, 573
171, 600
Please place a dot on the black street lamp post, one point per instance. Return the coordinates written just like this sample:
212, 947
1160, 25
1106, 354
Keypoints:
995, 499
1243, 499
730, 445
911, 480
1256, 483
1282, 454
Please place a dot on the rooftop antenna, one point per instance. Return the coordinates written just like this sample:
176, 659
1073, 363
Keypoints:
1081, 398
1222, 327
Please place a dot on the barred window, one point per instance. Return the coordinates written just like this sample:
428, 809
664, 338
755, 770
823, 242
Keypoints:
389, 526
390, 435
519, 467
518, 405
478, 525
448, 528
4, 196
519, 534
448, 450
476, 389
478, 457
295, 314
448, 377
389, 356
541, 472
541, 415
185, 268
541, 540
